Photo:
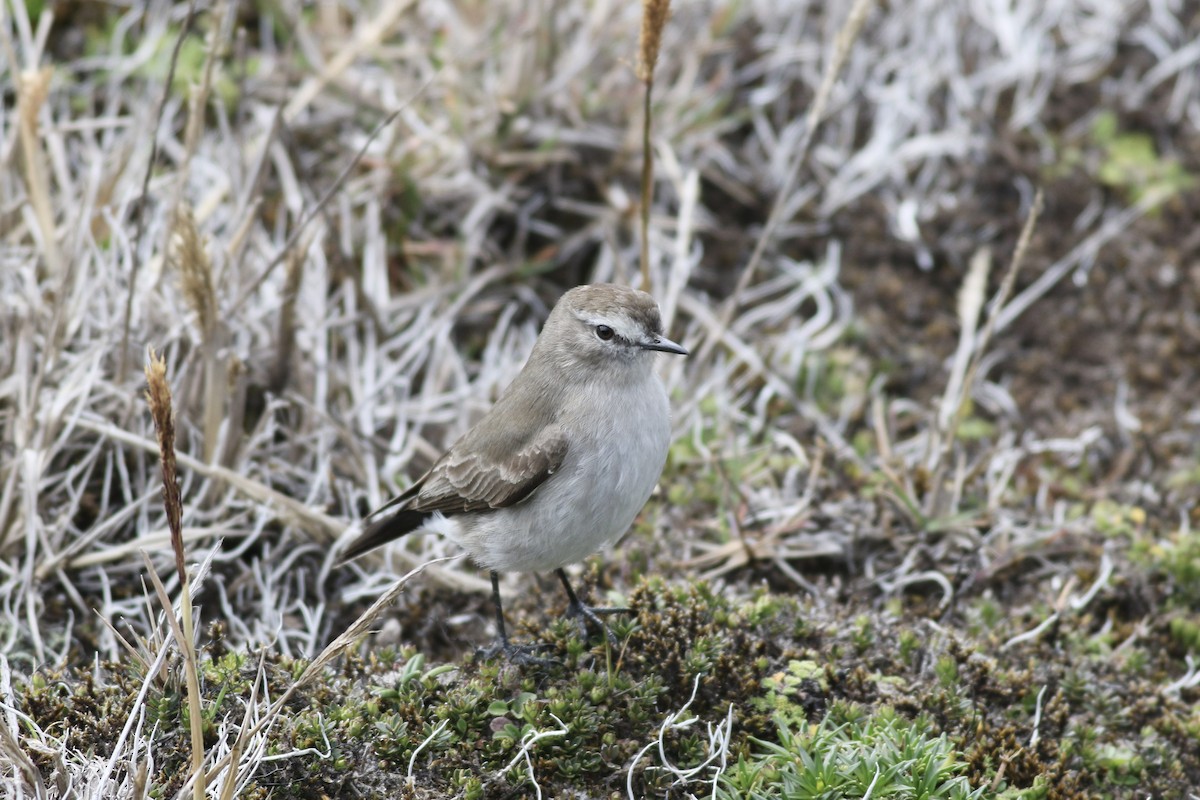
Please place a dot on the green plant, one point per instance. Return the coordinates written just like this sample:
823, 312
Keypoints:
1132, 164
881, 755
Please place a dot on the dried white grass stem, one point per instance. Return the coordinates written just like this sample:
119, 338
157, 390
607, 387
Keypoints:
317, 524
1037, 718
871, 787
1006, 286
970, 302
366, 38
412, 760
972, 347
158, 396
748, 355
1084, 250
31, 471
527, 742
150, 673
958, 390
145, 194
183, 632
683, 261
199, 93
32, 90
10, 747
236, 778
846, 38
321, 526
347, 638
1031, 635
302, 225
719, 737
1189, 680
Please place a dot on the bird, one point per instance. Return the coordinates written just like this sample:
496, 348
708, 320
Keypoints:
561, 464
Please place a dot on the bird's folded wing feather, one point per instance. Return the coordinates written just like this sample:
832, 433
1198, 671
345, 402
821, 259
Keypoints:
469, 479
463, 480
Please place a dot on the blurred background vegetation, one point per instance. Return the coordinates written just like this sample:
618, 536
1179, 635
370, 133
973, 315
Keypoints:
926, 527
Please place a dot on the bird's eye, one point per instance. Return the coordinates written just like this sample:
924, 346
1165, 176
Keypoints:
604, 332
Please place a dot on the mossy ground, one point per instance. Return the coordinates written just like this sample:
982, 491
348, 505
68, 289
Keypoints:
823, 601
1060, 716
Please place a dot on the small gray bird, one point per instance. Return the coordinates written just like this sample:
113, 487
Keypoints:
562, 463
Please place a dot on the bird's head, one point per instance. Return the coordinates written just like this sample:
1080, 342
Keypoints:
605, 327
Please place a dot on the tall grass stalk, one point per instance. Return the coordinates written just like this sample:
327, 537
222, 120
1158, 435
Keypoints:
654, 19
158, 396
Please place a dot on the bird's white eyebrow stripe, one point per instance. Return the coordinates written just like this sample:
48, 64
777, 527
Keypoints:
622, 324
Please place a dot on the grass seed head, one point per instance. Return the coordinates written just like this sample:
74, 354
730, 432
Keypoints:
654, 19
189, 256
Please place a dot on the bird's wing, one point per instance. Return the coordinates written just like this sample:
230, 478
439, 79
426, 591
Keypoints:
492, 467
467, 478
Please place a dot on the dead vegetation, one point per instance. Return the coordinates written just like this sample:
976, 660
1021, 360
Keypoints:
935, 458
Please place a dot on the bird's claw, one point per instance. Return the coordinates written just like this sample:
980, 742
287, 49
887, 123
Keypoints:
520, 654
583, 614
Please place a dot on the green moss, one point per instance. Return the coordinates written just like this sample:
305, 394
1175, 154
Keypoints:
1131, 163
864, 634
1181, 561
1113, 519
1125, 161
974, 429
910, 644
881, 755
946, 670
1186, 631
830, 687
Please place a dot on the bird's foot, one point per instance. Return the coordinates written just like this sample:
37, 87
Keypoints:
521, 654
584, 614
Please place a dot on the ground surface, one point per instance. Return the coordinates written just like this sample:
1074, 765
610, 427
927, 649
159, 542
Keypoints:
840, 585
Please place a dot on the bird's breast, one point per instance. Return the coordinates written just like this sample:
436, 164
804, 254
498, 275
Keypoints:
618, 441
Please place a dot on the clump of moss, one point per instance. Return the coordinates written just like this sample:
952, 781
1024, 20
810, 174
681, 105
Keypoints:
835, 684
480, 729
86, 709
851, 754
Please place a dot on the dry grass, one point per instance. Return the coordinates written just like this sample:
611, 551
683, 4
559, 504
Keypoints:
343, 229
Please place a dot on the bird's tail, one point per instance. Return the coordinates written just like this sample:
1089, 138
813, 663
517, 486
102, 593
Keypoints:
384, 530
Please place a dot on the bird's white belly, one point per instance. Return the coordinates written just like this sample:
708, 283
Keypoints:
592, 499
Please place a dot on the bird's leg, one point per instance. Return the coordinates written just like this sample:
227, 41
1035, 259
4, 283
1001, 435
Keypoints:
516, 653
585, 613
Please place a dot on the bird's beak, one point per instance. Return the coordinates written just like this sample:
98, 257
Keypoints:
664, 345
